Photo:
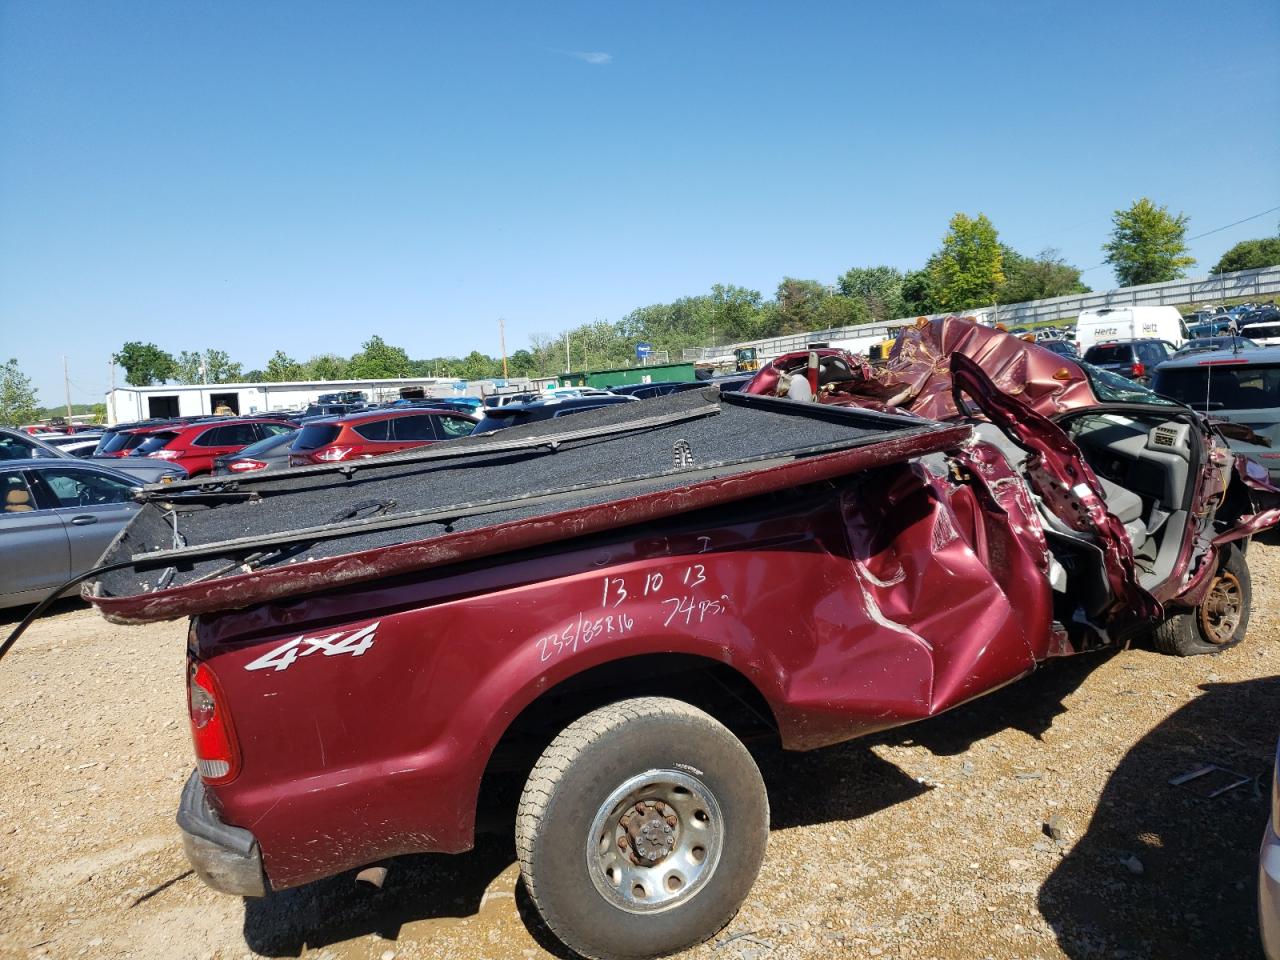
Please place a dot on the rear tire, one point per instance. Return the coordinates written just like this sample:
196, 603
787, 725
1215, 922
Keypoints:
1221, 621
641, 829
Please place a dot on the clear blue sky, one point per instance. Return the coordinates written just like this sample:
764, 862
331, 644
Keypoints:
299, 175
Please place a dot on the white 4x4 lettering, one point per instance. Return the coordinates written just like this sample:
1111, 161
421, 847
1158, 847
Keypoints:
354, 643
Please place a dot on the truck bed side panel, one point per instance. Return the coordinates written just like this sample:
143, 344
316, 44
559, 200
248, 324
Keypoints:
356, 751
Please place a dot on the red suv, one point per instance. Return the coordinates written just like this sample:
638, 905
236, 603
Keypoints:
375, 432
196, 445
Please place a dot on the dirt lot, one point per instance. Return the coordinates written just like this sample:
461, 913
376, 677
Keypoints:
932, 841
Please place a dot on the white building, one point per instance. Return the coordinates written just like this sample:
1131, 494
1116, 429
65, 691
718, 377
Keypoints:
126, 404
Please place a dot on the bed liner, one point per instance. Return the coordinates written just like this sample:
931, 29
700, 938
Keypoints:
245, 540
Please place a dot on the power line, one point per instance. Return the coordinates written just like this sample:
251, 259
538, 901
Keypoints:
1205, 234
1237, 223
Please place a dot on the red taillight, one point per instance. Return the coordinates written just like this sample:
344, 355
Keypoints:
244, 466
163, 454
217, 757
1139, 368
330, 454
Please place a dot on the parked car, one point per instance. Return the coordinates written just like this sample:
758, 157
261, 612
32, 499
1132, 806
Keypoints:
376, 432
1210, 328
1269, 873
121, 439
1266, 332
78, 448
609, 607
1240, 388
64, 441
459, 405
1134, 359
1064, 348
1209, 344
344, 396
269, 453
331, 409
15, 445
195, 446
57, 516
503, 399
1109, 324
514, 414
646, 391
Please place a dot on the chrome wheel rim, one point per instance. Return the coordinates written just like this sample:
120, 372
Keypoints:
655, 841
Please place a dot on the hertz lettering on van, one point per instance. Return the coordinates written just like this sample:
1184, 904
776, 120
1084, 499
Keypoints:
1107, 331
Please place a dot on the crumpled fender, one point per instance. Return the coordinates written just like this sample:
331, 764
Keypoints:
1056, 470
1263, 494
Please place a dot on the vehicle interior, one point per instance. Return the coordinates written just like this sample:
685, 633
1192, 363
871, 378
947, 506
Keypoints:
1146, 464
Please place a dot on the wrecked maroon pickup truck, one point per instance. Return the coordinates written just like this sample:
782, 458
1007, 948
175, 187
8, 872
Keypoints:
613, 604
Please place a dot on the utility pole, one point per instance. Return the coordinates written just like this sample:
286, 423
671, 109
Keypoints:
111, 397
568, 364
502, 339
66, 385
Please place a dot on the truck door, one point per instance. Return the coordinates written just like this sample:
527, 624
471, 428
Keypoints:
1056, 470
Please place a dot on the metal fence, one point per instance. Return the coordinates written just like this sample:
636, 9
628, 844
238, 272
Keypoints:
1263, 282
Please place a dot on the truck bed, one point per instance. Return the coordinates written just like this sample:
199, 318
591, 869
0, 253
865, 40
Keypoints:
218, 543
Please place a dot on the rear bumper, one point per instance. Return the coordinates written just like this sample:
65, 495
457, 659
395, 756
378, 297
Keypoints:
226, 858
1269, 892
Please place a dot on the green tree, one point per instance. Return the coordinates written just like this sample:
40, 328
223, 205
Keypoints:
522, 363
735, 314
477, 366
377, 359
17, 395
211, 366
1047, 275
282, 368
917, 294
967, 271
1148, 244
879, 288
326, 366
145, 364
798, 302
1249, 255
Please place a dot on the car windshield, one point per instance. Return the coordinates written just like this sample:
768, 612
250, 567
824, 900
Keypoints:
315, 435
1223, 385
1113, 388
113, 442
154, 441
1111, 353
269, 444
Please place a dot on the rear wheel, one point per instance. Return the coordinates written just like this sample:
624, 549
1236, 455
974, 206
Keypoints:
1220, 621
641, 829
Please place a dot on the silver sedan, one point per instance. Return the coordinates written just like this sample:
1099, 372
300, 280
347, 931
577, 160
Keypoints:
57, 517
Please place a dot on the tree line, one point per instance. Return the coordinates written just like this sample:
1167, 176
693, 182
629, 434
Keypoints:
971, 268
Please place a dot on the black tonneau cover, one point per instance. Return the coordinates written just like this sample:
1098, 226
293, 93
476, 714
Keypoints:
207, 529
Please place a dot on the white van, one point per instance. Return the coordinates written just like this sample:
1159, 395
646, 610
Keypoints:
1129, 323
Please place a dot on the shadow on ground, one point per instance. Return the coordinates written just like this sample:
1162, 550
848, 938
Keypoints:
10, 616
1196, 894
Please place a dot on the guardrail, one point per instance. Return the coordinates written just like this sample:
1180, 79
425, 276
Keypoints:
1262, 282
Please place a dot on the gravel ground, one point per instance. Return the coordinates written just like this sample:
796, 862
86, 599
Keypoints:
1037, 822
